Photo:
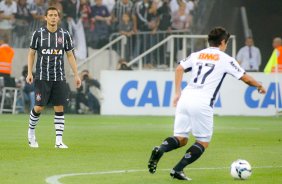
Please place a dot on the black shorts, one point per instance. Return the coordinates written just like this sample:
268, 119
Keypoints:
50, 92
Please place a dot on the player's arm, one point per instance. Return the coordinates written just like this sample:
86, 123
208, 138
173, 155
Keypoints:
252, 82
178, 80
30, 63
73, 65
234, 69
185, 65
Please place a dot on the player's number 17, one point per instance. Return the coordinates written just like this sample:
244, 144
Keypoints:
207, 67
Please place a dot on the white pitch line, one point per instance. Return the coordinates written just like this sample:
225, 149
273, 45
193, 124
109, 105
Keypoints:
55, 179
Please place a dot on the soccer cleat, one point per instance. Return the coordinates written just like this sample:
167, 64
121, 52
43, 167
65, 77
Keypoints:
32, 141
61, 145
179, 175
154, 159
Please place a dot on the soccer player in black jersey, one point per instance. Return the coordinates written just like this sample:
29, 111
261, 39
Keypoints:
50, 43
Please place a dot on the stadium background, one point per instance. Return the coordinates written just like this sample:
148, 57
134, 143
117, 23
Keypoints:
115, 146
264, 19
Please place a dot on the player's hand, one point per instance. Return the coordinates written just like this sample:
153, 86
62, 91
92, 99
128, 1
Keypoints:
176, 98
77, 81
29, 78
261, 90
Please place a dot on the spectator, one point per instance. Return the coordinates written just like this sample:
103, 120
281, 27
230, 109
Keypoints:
28, 90
57, 4
101, 17
190, 5
164, 13
37, 10
72, 13
153, 24
30, 2
140, 19
120, 8
249, 56
6, 58
71, 9
85, 96
23, 18
122, 65
180, 18
275, 61
109, 4
125, 27
277, 42
180, 22
8, 9
153, 18
141, 12
88, 24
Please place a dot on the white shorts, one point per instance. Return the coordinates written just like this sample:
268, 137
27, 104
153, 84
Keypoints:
193, 115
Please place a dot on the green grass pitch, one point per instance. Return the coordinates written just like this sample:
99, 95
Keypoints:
111, 144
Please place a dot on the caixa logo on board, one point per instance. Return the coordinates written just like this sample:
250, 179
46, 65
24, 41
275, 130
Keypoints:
132, 95
269, 99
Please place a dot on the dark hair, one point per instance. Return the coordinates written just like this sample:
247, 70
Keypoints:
52, 8
216, 35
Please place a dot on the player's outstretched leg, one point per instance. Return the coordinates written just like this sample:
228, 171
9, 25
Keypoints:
154, 159
168, 144
33, 120
192, 154
59, 121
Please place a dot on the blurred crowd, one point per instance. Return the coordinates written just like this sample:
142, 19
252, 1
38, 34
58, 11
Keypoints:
91, 22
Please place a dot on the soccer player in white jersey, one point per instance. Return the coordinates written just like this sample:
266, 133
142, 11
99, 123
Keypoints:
51, 43
194, 104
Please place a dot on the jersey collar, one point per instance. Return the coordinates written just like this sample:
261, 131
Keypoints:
216, 48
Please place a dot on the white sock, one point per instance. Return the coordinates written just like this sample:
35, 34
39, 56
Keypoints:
59, 122
33, 120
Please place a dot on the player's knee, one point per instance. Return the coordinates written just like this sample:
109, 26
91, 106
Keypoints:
182, 141
59, 108
38, 109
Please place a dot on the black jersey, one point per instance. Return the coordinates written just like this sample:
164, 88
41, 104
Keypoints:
50, 49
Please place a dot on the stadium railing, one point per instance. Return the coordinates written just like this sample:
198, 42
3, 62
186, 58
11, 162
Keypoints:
166, 49
160, 50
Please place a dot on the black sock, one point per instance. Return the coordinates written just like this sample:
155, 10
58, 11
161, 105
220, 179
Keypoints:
169, 144
192, 154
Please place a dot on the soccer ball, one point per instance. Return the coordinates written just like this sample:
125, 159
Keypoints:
241, 169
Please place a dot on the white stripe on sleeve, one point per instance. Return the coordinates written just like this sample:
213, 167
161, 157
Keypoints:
56, 37
61, 70
70, 39
41, 33
32, 38
47, 68
63, 36
55, 74
41, 68
49, 40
